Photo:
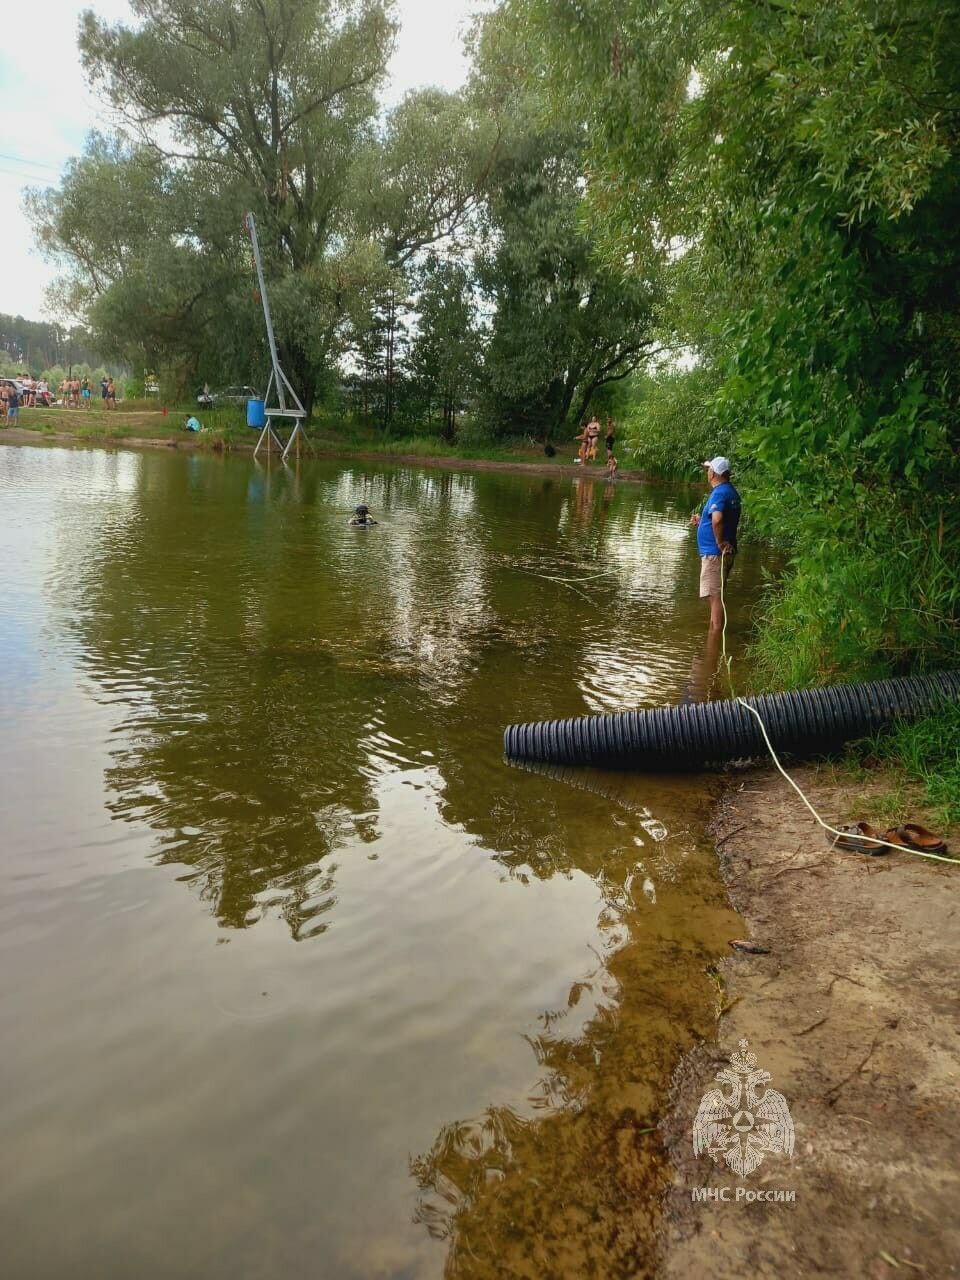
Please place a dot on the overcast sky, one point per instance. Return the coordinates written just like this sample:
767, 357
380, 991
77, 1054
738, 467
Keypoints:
46, 110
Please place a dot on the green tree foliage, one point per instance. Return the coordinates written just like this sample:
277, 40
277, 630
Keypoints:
268, 106
228, 107
379, 344
564, 325
30, 346
423, 177
444, 358
795, 170
669, 423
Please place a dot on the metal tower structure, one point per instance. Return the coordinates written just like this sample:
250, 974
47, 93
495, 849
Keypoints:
278, 382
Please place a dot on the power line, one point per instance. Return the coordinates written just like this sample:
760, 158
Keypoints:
22, 173
37, 164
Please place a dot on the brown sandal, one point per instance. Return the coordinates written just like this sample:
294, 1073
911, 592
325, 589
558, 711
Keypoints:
861, 838
916, 837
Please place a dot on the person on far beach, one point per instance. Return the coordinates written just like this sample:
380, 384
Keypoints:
111, 394
610, 440
593, 435
13, 404
192, 424
582, 451
716, 527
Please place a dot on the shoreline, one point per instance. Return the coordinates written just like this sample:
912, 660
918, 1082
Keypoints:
191, 444
853, 1014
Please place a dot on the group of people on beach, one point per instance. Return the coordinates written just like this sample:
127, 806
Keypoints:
77, 392
9, 402
30, 390
589, 439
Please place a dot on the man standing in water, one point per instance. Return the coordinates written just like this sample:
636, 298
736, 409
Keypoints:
717, 535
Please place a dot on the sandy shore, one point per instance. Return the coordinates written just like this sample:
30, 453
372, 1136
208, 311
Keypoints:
854, 1014
189, 443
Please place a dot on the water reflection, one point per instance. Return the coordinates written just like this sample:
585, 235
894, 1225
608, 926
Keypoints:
569, 1181
303, 721
274, 669
706, 671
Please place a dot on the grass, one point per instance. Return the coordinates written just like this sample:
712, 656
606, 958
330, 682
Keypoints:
925, 751
106, 424
225, 428
345, 435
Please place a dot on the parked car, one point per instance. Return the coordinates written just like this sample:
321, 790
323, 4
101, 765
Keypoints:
229, 395
42, 399
16, 384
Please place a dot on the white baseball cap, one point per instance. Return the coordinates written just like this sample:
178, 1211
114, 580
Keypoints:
719, 464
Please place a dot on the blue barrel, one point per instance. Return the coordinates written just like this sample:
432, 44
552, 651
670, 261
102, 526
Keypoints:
256, 415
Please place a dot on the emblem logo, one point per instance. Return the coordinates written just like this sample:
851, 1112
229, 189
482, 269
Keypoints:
738, 1126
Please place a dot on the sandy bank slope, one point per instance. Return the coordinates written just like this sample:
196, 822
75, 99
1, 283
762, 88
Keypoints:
855, 1015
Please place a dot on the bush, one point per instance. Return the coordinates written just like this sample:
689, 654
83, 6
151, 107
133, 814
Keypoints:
670, 427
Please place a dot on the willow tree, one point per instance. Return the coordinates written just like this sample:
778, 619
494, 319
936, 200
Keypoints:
562, 323
221, 107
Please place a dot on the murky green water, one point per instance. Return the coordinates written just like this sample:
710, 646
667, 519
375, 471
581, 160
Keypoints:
297, 977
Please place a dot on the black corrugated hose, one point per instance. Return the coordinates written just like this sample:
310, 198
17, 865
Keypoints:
801, 723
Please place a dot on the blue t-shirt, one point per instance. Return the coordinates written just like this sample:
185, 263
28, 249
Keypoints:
723, 498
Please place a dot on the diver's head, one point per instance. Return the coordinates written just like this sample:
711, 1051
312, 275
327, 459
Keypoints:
361, 510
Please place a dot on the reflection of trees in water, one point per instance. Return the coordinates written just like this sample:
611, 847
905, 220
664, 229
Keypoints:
572, 1185
243, 742
273, 665
570, 1182
242, 795
270, 669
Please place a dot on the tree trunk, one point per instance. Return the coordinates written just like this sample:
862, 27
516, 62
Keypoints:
563, 410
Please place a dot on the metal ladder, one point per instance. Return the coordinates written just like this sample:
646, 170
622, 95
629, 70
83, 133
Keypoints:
278, 380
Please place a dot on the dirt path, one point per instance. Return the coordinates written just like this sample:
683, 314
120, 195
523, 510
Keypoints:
854, 1014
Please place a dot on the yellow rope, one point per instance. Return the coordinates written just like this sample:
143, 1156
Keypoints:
726, 659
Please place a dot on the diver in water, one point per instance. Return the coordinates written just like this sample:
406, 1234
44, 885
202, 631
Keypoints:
361, 516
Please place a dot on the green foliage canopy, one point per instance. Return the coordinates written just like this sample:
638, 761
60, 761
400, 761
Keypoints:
794, 168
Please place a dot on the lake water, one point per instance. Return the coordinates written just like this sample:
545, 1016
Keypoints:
297, 977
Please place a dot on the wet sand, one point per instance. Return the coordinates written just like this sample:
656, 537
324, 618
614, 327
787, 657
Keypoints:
854, 1014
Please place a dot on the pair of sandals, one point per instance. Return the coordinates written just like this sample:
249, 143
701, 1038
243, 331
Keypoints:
861, 838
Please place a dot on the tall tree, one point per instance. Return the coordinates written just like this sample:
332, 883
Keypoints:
444, 357
226, 107
564, 324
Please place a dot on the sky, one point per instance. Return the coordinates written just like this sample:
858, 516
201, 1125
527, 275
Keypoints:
46, 110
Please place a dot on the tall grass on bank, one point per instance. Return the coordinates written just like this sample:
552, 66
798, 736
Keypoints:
928, 750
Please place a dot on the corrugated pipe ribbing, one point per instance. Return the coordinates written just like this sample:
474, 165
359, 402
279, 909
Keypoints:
800, 723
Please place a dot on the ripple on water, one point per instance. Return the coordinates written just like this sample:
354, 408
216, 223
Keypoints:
275, 911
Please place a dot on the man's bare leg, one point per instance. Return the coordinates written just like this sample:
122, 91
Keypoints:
716, 613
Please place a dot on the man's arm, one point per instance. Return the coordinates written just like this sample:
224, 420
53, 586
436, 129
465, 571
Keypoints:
716, 519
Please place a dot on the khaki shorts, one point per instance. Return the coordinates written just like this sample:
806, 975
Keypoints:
710, 574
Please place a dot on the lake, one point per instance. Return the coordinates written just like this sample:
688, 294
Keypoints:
297, 976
